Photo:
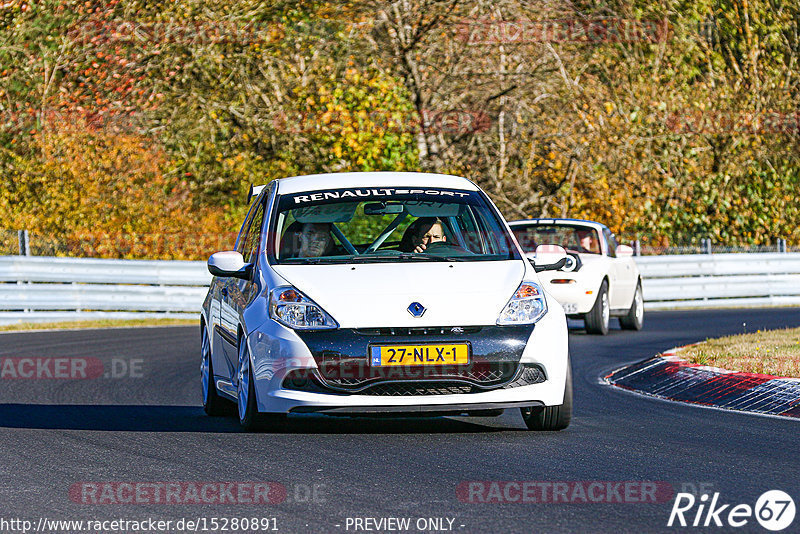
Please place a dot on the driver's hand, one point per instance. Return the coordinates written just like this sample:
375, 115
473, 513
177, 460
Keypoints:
420, 248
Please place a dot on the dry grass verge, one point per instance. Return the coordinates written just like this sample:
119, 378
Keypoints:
769, 352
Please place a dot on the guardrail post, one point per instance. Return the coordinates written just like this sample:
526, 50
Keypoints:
27, 243
781, 245
21, 240
705, 245
637, 248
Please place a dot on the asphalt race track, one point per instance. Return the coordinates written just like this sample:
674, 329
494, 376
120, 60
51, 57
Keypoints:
140, 420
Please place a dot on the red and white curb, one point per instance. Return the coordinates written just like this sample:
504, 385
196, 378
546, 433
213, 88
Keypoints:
667, 376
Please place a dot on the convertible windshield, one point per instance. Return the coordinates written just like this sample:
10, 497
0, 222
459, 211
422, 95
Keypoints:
583, 239
388, 225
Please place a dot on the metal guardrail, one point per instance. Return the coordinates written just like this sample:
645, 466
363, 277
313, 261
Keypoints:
37, 289
720, 280
43, 289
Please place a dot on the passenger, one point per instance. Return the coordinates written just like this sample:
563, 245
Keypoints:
421, 233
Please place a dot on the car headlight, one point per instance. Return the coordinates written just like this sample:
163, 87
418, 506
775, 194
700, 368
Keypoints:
527, 306
290, 307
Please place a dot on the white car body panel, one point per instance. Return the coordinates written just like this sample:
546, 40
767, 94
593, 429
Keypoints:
364, 296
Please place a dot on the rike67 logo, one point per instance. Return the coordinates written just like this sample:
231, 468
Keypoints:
774, 510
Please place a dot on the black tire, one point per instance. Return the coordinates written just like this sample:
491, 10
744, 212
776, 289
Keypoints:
551, 418
213, 403
634, 320
597, 319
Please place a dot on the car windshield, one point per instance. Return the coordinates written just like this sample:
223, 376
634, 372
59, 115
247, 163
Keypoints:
576, 238
387, 225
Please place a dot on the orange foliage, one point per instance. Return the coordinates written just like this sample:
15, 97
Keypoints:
101, 194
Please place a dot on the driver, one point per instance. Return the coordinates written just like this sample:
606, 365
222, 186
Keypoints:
588, 241
315, 240
421, 233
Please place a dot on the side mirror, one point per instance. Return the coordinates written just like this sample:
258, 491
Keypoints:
230, 264
624, 251
549, 258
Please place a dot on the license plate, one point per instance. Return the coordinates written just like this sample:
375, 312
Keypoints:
570, 308
388, 355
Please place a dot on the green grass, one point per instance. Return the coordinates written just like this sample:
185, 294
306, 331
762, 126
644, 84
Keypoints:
99, 323
768, 352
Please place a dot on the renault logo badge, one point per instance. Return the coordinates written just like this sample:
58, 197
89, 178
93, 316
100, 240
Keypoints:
416, 309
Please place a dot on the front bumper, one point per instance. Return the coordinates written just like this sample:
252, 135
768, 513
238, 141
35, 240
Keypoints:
280, 353
421, 409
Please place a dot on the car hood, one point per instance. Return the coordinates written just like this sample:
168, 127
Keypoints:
379, 294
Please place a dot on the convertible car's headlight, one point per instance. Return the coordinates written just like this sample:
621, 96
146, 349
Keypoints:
527, 306
290, 307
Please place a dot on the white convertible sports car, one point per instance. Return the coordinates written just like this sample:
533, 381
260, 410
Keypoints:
601, 278
375, 293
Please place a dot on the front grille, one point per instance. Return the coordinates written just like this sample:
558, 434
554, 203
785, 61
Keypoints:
404, 389
355, 374
301, 381
310, 381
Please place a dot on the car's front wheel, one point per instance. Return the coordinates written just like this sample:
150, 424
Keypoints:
552, 417
246, 394
249, 417
634, 319
213, 404
596, 320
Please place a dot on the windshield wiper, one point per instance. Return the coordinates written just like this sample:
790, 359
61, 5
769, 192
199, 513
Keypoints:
430, 257
404, 256
314, 261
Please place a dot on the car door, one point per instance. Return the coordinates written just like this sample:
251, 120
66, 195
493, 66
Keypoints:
240, 292
214, 320
621, 274
225, 317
